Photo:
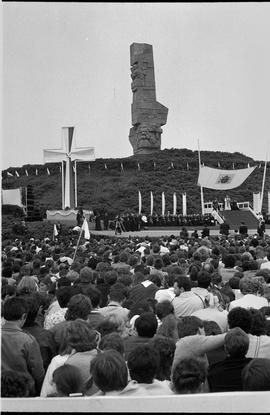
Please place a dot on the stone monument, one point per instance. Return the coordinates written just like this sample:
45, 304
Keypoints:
148, 115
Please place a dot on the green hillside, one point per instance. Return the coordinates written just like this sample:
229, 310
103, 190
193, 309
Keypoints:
116, 190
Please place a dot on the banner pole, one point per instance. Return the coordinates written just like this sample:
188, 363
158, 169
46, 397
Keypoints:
202, 200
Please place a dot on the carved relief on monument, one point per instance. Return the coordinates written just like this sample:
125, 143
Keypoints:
148, 115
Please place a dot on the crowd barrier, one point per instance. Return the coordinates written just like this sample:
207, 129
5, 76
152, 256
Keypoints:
229, 402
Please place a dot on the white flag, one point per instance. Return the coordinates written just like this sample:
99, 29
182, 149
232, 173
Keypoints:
48, 171
174, 203
36, 172
105, 166
151, 203
172, 165
140, 203
9, 174
26, 172
85, 228
122, 167
139, 168
17, 174
163, 204
55, 231
219, 179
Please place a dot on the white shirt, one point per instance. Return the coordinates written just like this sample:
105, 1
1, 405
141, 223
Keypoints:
249, 301
213, 314
265, 265
186, 303
167, 294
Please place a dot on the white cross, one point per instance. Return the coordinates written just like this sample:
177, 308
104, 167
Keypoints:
68, 154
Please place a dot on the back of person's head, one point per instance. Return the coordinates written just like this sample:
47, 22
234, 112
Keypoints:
94, 294
236, 343
68, 380
189, 326
256, 375
110, 277
124, 257
138, 277
14, 308
168, 280
229, 260
79, 306
112, 341
249, 285
63, 295
27, 285
143, 363
234, 282
183, 282
33, 307
118, 292
158, 263
15, 384
106, 326
156, 249
164, 308
72, 275
146, 324
166, 348
258, 322
211, 328
109, 371
86, 275
204, 279
139, 307
80, 336
7, 291
240, 317
63, 282
188, 376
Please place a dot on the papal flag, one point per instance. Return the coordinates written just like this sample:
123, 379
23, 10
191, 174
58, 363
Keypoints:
219, 179
85, 228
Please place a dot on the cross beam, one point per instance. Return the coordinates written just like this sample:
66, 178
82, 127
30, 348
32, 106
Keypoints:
66, 155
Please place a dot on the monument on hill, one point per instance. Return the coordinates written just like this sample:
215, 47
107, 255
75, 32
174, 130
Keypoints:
66, 155
148, 115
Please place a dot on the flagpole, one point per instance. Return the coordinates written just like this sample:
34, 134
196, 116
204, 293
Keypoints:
78, 243
263, 182
202, 200
63, 186
75, 184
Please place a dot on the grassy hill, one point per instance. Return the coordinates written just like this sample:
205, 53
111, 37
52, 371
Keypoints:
116, 190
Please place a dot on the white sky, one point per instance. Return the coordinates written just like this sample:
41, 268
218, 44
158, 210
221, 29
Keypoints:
68, 64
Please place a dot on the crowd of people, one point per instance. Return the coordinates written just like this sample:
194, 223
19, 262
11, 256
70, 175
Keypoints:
135, 316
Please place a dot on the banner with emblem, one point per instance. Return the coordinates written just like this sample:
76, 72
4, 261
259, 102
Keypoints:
219, 179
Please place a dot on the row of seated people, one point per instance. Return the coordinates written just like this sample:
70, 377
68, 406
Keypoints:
135, 319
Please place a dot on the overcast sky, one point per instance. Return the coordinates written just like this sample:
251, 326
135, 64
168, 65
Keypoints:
68, 64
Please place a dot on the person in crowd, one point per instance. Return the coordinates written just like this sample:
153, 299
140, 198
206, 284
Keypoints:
256, 375
145, 326
68, 381
15, 384
112, 341
78, 348
167, 320
225, 376
193, 342
20, 351
250, 288
259, 343
185, 301
143, 365
189, 376
166, 348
